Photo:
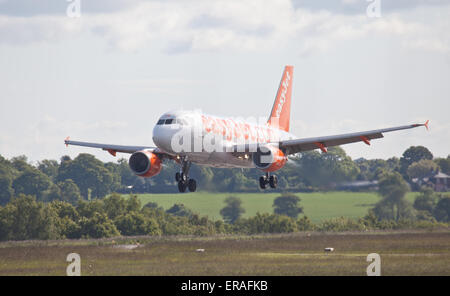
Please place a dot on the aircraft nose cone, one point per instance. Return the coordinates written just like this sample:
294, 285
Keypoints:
162, 137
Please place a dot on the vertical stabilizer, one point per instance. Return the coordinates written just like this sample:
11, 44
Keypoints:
281, 110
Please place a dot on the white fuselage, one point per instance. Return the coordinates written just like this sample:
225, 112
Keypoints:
208, 140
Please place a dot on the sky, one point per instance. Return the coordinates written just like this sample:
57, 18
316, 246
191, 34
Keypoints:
107, 71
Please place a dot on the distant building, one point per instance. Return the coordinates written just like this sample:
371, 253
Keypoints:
441, 182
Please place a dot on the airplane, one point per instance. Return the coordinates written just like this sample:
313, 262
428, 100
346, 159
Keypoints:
191, 137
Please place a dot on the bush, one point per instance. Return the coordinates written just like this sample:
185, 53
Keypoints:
134, 223
268, 223
442, 210
341, 224
304, 224
426, 201
25, 218
98, 226
179, 210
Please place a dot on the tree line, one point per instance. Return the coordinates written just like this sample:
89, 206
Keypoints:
25, 218
74, 198
88, 178
430, 209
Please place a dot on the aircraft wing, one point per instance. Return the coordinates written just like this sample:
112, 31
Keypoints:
306, 144
112, 149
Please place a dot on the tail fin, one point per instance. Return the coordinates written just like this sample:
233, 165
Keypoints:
281, 110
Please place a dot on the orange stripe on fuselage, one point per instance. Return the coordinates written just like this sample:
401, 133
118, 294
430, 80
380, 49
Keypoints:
232, 130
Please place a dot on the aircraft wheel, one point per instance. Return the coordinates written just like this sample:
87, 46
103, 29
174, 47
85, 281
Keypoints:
182, 186
192, 185
273, 181
183, 177
262, 182
178, 176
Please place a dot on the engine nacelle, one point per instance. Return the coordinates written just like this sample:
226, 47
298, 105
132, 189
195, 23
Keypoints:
269, 158
145, 164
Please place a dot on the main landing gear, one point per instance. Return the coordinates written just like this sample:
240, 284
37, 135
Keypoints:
267, 179
183, 177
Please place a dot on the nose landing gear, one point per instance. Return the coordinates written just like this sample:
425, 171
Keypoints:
183, 178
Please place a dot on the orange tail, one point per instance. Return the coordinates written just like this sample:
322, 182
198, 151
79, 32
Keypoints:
281, 110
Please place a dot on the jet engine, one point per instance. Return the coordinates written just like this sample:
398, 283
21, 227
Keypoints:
145, 164
269, 158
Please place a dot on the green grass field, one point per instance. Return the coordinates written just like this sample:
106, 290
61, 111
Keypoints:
317, 206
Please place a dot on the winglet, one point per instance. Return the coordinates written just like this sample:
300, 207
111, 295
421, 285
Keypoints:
66, 140
421, 124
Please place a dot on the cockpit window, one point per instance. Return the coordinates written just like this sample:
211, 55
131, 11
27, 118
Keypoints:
171, 120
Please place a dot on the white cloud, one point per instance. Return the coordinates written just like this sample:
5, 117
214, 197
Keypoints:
25, 30
249, 42
179, 26
45, 137
50, 128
